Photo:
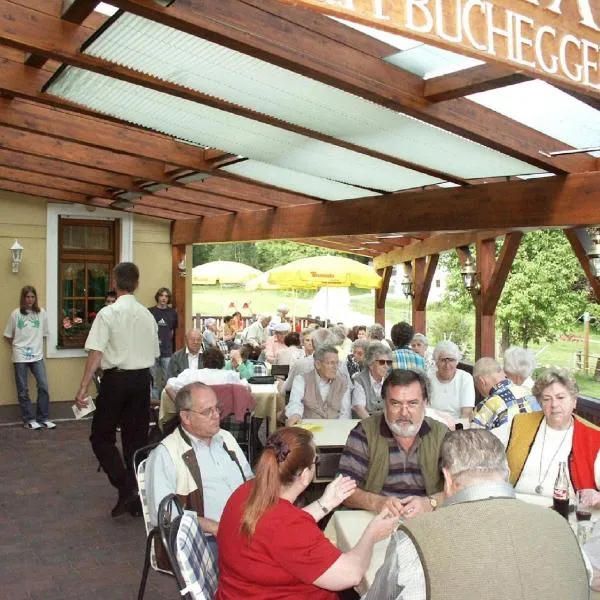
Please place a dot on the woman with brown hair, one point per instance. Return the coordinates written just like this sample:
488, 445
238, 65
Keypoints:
272, 550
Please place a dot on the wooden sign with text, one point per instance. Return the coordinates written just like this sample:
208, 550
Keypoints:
557, 40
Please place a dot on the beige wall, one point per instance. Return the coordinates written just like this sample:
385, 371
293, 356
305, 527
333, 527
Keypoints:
24, 217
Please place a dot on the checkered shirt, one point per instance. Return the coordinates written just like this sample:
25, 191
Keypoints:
260, 369
196, 561
405, 358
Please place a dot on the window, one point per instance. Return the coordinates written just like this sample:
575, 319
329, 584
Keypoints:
438, 283
87, 253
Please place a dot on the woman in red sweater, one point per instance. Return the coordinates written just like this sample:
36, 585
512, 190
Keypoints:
272, 550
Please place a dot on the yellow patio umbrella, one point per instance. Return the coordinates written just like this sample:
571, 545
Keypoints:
223, 272
324, 271
261, 283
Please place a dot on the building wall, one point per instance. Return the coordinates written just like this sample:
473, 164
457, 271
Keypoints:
24, 218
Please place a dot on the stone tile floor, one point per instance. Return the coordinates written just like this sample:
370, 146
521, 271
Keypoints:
58, 540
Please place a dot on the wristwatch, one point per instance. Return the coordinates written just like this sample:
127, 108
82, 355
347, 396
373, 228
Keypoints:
323, 507
433, 502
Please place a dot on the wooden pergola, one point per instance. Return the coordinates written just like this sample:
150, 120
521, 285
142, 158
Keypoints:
60, 142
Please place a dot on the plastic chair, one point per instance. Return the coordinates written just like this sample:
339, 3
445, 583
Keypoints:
193, 563
140, 457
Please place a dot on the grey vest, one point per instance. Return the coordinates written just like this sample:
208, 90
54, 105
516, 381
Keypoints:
374, 401
498, 549
316, 407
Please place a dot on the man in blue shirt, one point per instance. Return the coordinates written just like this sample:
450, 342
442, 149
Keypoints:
404, 357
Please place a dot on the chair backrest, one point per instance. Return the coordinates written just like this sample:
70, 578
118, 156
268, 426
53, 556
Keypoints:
193, 563
280, 370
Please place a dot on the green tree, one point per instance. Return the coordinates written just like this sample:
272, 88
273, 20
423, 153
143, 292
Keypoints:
543, 295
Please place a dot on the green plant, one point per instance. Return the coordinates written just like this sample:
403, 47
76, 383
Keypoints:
452, 325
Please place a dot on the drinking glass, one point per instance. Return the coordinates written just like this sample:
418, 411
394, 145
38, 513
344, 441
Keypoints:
583, 507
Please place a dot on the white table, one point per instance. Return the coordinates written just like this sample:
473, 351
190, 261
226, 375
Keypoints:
330, 433
269, 403
345, 529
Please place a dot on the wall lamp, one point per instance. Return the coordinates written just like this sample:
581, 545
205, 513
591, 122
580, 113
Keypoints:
407, 286
182, 268
16, 254
469, 275
594, 254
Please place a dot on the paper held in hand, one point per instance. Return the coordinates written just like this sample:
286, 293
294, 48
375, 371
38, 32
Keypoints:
82, 412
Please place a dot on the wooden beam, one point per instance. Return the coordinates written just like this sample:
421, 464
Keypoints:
198, 197
42, 192
546, 202
178, 290
485, 323
423, 284
263, 35
477, 79
58, 43
381, 294
581, 242
77, 11
432, 245
500, 272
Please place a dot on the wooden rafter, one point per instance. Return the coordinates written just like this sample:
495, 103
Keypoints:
580, 242
269, 37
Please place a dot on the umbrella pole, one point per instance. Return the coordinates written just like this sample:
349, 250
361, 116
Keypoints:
294, 311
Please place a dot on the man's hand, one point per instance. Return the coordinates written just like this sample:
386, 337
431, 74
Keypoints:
382, 525
82, 396
293, 420
415, 505
391, 504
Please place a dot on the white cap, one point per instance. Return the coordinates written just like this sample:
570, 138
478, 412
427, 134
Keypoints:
282, 328
283, 308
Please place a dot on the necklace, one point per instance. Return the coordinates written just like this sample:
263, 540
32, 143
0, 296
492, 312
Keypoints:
539, 488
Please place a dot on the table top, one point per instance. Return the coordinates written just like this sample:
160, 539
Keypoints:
263, 388
329, 432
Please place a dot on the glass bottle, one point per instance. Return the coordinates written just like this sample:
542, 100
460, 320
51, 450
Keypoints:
560, 497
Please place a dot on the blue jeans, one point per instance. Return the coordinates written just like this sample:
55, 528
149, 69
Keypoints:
38, 369
159, 375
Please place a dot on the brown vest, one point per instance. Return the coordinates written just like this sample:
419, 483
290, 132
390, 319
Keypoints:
316, 407
498, 549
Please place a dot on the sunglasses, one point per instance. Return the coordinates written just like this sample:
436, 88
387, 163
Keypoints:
381, 361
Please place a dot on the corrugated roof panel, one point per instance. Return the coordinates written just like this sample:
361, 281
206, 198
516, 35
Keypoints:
297, 182
201, 65
544, 107
204, 125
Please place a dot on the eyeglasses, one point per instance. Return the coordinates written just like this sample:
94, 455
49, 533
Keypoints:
381, 361
317, 459
208, 412
447, 360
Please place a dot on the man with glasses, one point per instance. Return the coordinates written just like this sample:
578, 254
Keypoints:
322, 393
394, 456
366, 394
199, 461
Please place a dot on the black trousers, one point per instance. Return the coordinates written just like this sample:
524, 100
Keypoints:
124, 400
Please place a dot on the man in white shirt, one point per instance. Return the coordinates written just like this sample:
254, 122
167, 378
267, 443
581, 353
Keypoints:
123, 341
189, 357
322, 393
200, 462
256, 334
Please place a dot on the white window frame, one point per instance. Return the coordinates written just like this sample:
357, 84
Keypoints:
74, 211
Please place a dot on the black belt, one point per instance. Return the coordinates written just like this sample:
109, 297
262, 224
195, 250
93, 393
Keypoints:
132, 371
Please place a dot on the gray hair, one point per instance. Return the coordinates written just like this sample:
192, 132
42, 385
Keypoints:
447, 347
324, 349
555, 375
473, 454
364, 344
321, 337
486, 366
376, 331
419, 337
339, 333
183, 399
374, 351
518, 361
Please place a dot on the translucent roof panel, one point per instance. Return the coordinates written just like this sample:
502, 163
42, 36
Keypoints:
201, 65
187, 120
297, 182
546, 108
429, 61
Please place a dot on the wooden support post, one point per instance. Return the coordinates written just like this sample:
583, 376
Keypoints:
381, 295
580, 241
179, 292
423, 270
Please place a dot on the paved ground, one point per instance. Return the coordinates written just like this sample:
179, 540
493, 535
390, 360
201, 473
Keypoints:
58, 541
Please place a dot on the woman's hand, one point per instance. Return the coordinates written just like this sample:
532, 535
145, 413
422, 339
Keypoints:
337, 491
382, 525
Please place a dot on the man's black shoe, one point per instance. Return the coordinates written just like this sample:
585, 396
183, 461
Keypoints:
134, 506
122, 506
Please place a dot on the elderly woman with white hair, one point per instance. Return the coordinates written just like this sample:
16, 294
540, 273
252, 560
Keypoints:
519, 364
420, 345
452, 389
366, 395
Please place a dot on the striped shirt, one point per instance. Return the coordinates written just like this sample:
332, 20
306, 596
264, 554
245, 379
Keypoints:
504, 402
404, 476
405, 358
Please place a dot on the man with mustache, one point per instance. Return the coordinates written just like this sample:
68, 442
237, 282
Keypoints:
394, 455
